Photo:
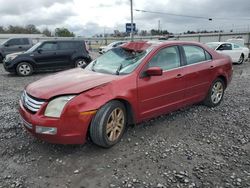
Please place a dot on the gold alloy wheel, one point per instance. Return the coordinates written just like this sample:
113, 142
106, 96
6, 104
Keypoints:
217, 92
115, 124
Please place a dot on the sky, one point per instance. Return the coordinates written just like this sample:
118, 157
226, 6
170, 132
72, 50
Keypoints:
90, 17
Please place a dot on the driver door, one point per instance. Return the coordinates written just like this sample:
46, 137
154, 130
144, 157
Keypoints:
161, 94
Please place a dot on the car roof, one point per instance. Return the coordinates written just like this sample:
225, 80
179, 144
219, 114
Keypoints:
143, 45
63, 41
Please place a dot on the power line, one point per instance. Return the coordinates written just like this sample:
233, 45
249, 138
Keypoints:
171, 14
190, 16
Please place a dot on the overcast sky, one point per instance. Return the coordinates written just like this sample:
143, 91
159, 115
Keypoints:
90, 17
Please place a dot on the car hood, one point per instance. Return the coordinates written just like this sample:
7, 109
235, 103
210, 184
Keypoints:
73, 81
14, 54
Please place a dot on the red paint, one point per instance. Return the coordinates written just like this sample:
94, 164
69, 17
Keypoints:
136, 46
148, 96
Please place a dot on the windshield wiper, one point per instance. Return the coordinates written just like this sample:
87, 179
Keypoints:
118, 69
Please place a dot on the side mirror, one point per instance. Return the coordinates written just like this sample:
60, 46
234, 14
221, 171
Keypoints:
221, 49
6, 45
84, 65
39, 50
154, 71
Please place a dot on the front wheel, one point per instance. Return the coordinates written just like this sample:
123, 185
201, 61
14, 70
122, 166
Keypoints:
215, 93
241, 60
24, 69
108, 125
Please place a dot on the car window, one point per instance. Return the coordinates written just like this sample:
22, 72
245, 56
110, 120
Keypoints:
236, 46
68, 45
13, 42
117, 61
195, 54
25, 41
208, 55
167, 58
49, 46
225, 47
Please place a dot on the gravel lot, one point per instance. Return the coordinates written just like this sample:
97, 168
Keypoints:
193, 147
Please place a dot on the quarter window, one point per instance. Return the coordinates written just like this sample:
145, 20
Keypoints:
236, 46
167, 58
195, 54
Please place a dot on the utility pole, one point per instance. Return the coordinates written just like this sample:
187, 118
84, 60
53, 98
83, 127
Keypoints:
132, 20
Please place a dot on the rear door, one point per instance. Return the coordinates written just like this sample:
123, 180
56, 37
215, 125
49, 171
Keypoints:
26, 44
46, 56
66, 50
199, 74
161, 94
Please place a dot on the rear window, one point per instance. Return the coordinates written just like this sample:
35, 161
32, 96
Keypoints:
25, 41
69, 45
196, 54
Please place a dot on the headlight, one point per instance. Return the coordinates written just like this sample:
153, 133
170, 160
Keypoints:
10, 57
55, 107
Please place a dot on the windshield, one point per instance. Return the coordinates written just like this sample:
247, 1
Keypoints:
212, 45
3, 42
117, 61
33, 48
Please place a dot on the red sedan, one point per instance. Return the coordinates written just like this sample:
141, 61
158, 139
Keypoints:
126, 85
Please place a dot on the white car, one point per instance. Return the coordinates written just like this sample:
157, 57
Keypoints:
238, 53
104, 49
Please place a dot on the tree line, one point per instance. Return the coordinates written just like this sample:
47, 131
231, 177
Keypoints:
32, 29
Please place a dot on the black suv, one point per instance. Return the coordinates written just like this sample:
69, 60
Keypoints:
48, 55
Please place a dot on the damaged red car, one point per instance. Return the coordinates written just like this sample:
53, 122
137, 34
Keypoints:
126, 85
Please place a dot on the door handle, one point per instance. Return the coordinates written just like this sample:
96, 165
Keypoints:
211, 67
178, 76
20, 47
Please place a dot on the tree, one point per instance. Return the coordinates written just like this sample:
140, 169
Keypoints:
63, 32
31, 29
2, 30
47, 32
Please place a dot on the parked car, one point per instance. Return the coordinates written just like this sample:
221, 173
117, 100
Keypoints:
48, 55
126, 85
239, 54
13, 45
104, 49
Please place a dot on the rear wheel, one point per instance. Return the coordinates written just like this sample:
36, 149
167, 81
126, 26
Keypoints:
24, 69
1, 58
215, 93
241, 60
80, 63
108, 125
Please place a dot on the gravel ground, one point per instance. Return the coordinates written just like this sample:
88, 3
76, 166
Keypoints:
193, 147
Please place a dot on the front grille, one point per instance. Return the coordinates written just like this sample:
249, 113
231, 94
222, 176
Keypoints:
31, 103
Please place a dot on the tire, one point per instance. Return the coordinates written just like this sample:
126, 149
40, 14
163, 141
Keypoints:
80, 63
24, 69
104, 129
1, 58
241, 60
215, 93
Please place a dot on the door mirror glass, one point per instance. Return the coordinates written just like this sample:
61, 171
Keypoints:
84, 65
39, 50
154, 71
